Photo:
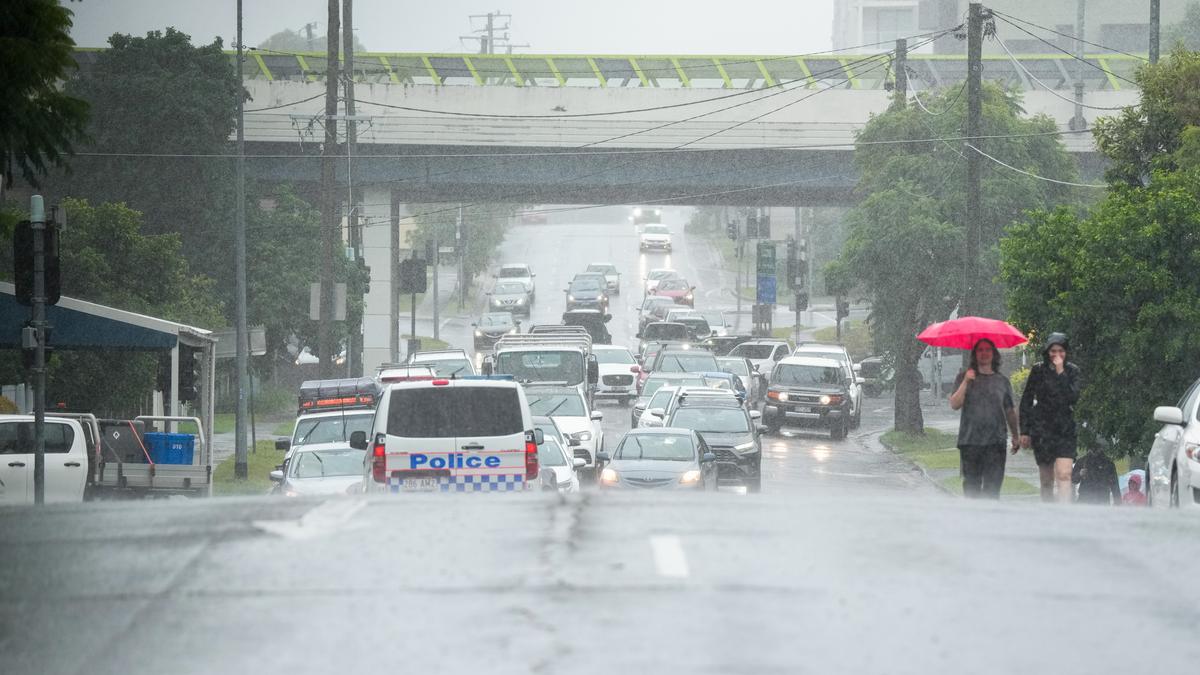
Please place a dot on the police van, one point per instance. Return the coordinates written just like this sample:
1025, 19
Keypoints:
330, 411
472, 434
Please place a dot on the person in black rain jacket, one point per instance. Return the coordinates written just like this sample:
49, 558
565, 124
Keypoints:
1048, 417
1097, 478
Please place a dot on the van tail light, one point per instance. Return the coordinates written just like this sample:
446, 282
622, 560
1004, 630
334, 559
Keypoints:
531, 458
1192, 451
379, 459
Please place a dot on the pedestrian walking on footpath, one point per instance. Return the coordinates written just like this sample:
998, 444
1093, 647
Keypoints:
1048, 417
1097, 478
985, 397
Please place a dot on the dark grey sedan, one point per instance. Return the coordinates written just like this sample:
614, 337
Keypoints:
660, 458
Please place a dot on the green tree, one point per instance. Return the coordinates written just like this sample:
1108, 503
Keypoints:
108, 259
1186, 33
39, 123
159, 104
485, 224
1122, 284
290, 41
904, 247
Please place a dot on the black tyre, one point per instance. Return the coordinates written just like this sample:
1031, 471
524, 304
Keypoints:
754, 484
1174, 488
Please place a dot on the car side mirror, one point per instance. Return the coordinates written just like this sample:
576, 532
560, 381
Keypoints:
488, 293
532, 275
602, 457
760, 429
358, 440
578, 462
607, 318
597, 416
574, 442
566, 290
635, 369
708, 458
284, 444
657, 412
755, 415
637, 335
1168, 415
539, 436
474, 325
277, 476
756, 368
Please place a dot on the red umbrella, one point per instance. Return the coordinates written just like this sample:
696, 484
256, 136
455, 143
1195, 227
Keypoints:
964, 332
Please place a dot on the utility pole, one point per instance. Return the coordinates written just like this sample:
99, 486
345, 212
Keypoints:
900, 97
974, 113
37, 220
329, 214
1155, 28
489, 47
354, 330
461, 242
1078, 122
436, 298
241, 459
797, 282
308, 31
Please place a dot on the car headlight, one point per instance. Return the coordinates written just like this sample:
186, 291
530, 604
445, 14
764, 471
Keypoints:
520, 301
609, 476
692, 476
513, 331
744, 446
688, 297
582, 436
778, 395
478, 333
826, 399
570, 298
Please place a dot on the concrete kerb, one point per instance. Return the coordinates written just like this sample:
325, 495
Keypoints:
878, 438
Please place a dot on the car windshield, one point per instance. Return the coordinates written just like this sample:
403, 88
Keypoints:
658, 275
665, 331
450, 367
617, 356
836, 356
496, 321
657, 229
661, 447
585, 285
542, 366
711, 420
332, 429
556, 405
714, 318
509, 288
686, 362
653, 383
795, 374
753, 351
661, 398
519, 272
717, 382
673, 285
735, 366
602, 269
550, 453
654, 301
326, 463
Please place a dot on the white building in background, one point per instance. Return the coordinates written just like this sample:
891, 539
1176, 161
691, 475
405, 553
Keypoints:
1123, 25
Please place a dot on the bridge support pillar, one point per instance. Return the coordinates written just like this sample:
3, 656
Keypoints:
385, 241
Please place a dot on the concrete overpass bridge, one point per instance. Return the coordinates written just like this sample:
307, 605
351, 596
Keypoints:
686, 130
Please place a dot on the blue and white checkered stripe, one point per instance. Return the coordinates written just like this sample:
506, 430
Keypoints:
484, 483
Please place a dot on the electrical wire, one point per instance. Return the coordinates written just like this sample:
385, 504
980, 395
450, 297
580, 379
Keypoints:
1034, 175
285, 105
1050, 90
949, 106
1060, 49
1072, 37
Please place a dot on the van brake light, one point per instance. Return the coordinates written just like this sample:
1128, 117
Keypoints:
531, 458
379, 459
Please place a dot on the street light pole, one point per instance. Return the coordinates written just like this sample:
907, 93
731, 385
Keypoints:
37, 220
241, 469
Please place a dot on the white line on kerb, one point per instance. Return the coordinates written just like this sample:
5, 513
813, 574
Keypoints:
669, 557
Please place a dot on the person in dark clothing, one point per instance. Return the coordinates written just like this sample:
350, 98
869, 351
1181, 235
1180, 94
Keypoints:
985, 397
1048, 417
1097, 478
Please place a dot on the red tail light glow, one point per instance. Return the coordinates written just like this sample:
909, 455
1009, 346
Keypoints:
379, 459
531, 459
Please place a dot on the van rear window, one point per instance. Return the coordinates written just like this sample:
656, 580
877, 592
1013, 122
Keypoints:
448, 412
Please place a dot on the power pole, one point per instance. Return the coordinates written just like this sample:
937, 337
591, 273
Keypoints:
1155, 28
37, 220
900, 97
1078, 122
241, 457
461, 242
353, 330
434, 264
329, 210
308, 32
974, 114
489, 47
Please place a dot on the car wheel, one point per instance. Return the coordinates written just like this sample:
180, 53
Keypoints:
858, 419
1174, 488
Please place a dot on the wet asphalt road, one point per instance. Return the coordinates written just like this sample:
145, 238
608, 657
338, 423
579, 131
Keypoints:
847, 562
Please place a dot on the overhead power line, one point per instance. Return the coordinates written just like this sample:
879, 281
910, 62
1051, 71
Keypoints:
1072, 37
1049, 89
1060, 49
1034, 175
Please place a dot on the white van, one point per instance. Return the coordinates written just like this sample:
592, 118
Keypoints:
459, 435
66, 460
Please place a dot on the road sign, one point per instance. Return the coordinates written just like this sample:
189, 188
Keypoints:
766, 258
766, 289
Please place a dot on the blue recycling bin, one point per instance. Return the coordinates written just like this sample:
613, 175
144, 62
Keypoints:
170, 448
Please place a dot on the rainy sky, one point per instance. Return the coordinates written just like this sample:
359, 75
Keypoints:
549, 26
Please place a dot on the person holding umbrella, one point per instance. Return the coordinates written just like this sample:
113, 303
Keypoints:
985, 397
1048, 417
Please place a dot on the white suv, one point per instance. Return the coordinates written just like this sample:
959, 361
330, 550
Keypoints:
66, 460
518, 272
853, 382
656, 237
451, 436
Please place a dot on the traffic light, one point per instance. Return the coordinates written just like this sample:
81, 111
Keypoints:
189, 373
28, 355
23, 263
843, 309
731, 230
751, 227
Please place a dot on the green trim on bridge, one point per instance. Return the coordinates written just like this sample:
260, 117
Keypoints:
674, 71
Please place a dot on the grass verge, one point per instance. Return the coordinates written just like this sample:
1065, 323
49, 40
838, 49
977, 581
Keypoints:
428, 343
260, 465
284, 429
906, 443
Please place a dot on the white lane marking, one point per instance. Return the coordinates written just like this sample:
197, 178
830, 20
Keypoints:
669, 558
322, 519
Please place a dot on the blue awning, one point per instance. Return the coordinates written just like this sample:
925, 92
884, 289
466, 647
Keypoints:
77, 324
